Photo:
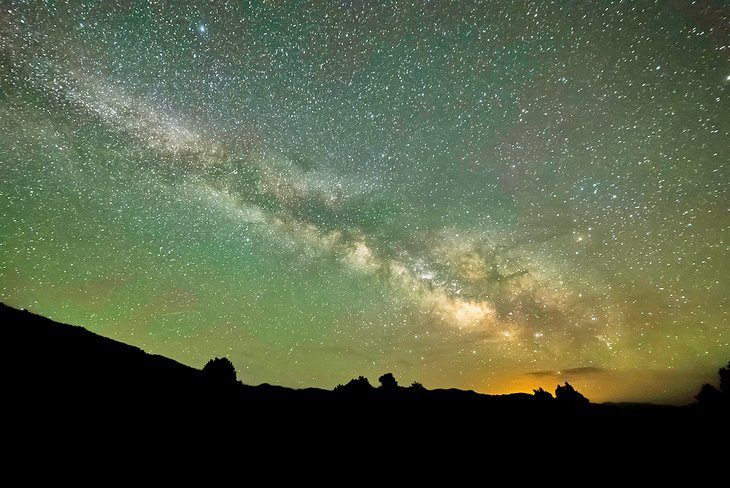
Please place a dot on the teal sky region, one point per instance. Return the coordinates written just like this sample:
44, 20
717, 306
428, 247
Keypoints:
483, 195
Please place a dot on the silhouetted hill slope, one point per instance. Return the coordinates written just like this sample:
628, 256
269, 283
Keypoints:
63, 362
64, 378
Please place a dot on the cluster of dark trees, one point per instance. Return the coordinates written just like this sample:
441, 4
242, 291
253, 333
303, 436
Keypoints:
221, 371
564, 394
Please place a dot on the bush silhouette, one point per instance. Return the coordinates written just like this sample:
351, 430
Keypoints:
542, 395
356, 385
711, 396
388, 382
417, 386
220, 370
567, 395
725, 379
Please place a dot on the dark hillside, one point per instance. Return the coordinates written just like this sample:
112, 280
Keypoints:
65, 379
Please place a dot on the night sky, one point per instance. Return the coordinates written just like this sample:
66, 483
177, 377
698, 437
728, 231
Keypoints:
482, 195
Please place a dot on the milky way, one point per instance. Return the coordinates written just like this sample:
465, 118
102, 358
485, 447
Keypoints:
485, 195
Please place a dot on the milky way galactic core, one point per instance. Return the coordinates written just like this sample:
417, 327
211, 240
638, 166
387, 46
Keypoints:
484, 195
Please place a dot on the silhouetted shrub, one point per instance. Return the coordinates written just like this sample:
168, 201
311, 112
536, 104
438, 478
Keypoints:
568, 395
725, 379
709, 395
388, 382
417, 386
542, 395
220, 370
356, 385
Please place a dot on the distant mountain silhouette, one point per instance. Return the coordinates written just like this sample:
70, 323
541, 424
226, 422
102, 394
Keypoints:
65, 380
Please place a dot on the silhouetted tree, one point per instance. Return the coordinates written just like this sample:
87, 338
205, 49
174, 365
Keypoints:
356, 385
725, 379
709, 395
542, 395
220, 370
388, 382
569, 396
417, 386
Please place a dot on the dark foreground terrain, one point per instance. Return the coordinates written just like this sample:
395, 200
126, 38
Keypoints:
64, 383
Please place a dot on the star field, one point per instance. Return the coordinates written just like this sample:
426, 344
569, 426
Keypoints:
484, 195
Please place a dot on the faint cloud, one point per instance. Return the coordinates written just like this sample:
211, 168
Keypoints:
588, 370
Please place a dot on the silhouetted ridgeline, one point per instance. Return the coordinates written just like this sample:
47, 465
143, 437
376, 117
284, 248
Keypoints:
62, 377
